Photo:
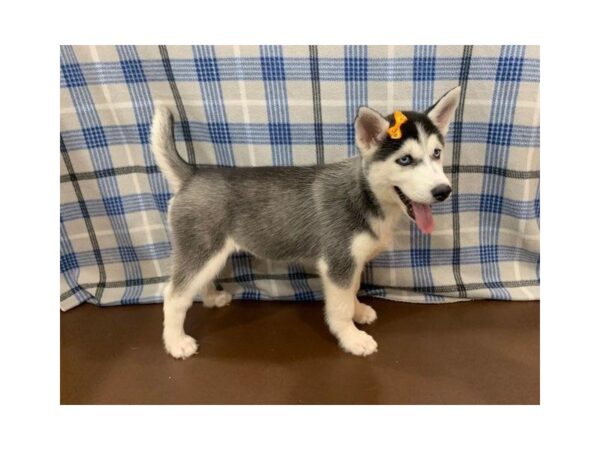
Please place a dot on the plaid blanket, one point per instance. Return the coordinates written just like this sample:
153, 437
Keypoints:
294, 105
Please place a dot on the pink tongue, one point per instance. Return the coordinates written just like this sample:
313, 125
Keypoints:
423, 217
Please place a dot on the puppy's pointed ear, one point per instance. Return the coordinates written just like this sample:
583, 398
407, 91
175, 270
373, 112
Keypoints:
369, 129
442, 112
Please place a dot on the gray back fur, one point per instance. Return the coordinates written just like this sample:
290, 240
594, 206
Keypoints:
279, 213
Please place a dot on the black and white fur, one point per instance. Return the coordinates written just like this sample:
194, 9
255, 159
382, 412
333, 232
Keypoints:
336, 216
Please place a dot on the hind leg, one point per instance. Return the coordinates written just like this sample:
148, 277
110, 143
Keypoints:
179, 295
213, 298
176, 303
363, 314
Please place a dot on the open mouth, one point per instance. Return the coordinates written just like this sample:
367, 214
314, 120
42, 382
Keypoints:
419, 212
407, 202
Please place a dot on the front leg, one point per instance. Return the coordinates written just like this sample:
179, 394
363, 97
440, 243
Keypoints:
363, 314
340, 287
211, 297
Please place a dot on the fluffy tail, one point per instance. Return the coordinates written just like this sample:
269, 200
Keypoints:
175, 169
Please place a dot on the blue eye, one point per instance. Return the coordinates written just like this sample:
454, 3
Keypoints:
405, 160
437, 153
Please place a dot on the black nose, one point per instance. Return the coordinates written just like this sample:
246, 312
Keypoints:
441, 192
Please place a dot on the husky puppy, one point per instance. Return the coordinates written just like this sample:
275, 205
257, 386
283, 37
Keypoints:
336, 216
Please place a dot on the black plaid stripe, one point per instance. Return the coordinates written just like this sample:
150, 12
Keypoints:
500, 171
452, 289
438, 289
508, 173
117, 284
316, 92
187, 134
108, 173
88, 223
457, 138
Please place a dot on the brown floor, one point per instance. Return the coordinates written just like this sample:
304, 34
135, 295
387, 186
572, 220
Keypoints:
282, 353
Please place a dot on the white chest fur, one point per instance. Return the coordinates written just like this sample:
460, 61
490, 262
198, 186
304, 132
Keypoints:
365, 246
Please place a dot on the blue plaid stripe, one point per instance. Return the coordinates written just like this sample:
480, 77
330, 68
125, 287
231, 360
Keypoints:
296, 69
206, 68
141, 99
510, 67
68, 257
424, 66
136, 203
70, 267
505, 93
299, 134
423, 78
280, 136
397, 259
355, 77
94, 137
71, 75
112, 255
271, 62
536, 207
68, 261
208, 76
443, 257
242, 268
355, 65
113, 206
499, 134
298, 280
110, 150
132, 70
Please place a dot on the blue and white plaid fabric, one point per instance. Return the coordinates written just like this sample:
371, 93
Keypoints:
294, 105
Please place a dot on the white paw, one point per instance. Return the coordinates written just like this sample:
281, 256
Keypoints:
358, 343
218, 299
364, 314
181, 346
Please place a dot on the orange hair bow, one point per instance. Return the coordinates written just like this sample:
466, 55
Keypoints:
394, 130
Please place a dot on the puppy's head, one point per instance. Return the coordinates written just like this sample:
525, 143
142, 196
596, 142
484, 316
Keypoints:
407, 171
